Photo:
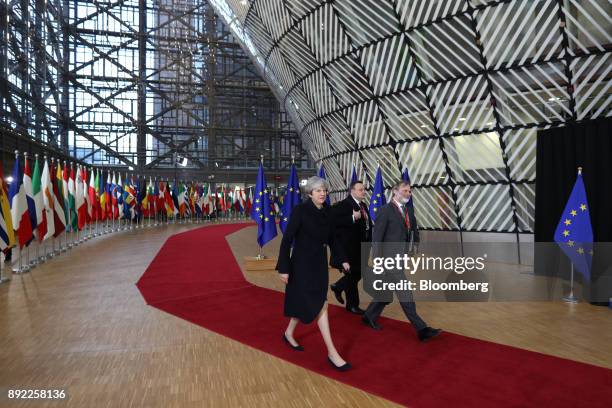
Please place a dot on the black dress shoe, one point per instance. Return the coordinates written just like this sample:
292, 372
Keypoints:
296, 348
344, 367
355, 310
428, 333
337, 293
370, 323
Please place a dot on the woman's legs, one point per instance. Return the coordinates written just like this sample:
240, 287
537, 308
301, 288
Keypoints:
323, 323
290, 329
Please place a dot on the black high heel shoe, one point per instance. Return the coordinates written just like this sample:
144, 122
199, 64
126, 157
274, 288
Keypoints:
344, 367
296, 348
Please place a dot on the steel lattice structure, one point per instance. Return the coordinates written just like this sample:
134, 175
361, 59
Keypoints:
139, 83
454, 90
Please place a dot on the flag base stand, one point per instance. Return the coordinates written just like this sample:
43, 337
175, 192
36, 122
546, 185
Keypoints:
258, 264
571, 298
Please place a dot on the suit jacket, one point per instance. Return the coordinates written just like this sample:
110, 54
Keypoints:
350, 233
390, 227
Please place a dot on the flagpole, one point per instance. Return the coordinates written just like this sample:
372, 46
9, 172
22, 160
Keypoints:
571, 298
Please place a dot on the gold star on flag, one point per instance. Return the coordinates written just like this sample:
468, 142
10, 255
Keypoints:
285, 219
271, 213
266, 191
377, 194
565, 233
570, 243
291, 189
568, 222
375, 209
256, 208
375, 201
261, 193
573, 212
260, 215
266, 219
583, 207
580, 251
257, 200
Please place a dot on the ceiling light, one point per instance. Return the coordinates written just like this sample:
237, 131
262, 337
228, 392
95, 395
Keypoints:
461, 119
130, 168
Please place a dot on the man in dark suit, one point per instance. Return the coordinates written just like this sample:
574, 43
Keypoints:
397, 226
353, 226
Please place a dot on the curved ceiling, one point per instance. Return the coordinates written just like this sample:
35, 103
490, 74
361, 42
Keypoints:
452, 90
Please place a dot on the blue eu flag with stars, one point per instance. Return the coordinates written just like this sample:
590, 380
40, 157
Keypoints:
292, 198
262, 211
378, 198
574, 234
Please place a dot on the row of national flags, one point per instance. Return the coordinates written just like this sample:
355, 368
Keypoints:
47, 197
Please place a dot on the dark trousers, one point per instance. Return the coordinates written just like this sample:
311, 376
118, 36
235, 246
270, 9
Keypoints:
348, 284
408, 306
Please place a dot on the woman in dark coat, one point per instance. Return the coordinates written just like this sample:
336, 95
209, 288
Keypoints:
305, 269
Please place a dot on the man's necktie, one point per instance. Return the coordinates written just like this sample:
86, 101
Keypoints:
364, 214
406, 217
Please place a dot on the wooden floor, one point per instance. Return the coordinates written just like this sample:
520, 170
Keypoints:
79, 323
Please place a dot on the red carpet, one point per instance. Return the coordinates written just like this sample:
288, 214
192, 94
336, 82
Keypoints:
195, 277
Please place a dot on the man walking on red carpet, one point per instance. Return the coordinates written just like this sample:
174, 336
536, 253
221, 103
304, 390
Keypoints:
353, 227
396, 225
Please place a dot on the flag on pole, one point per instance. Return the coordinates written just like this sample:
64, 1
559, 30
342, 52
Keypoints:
98, 189
406, 178
65, 192
116, 197
7, 234
101, 189
74, 221
574, 233
378, 198
48, 202
79, 200
29, 192
85, 192
292, 198
263, 214
59, 213
354, 175
91, 191
19, 206
322, 175
41, 216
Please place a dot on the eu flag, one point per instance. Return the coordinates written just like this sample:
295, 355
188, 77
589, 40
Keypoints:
406, 178
354, 176
378, 198
262, 210
292, 198
322, 175
574, 233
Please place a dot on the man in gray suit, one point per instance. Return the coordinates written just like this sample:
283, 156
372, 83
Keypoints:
397, 226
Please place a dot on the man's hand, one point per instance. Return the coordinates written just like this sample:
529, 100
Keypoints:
356, 215
284, 277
